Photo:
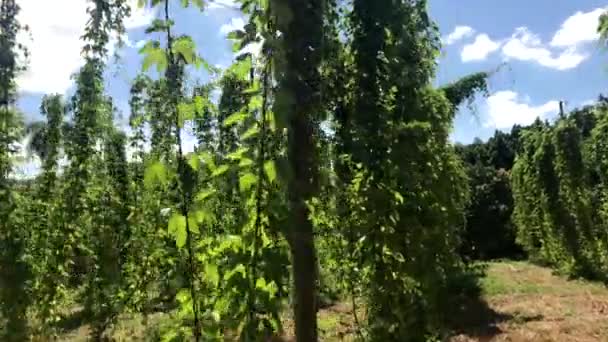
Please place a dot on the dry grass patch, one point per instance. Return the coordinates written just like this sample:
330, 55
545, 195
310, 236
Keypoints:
541, 306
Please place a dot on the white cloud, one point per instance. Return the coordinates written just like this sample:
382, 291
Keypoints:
234, 24
480, 49
526, 46
140, 17
507, 108
563, 52
460, 32
223, 4
578, 28
589, 102
55, 45
137, 45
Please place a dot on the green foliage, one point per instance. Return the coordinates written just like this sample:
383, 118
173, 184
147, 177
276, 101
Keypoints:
15, 270
489, 232
556, 207
465, 88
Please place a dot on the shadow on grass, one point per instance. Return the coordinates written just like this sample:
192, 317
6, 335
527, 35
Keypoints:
475, 318
78, 317
470, 314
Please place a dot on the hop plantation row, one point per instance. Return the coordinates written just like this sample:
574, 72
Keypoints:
322, 168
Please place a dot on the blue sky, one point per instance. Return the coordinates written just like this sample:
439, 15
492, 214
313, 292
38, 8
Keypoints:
551, 52
549, 48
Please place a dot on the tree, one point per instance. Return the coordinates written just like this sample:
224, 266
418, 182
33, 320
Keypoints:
14, 266
300, 22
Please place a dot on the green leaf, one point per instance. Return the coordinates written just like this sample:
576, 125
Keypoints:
156, 173
236, 35
240, 269
246, 181
153, 55
238, 154
260, 283
177, 228
253, 89
270, 118
242, 68
270, 170
235, 118
208, 160
185, 112
183, 296
220, 170
203, 195
399, 197
202, 216
245, 162
255, 103
193, 223
199, 3
212, 274
185, 47
222, 304
252, 131
194, 162
200, 104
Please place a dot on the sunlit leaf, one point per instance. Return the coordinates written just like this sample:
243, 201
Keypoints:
203, 195
193, 223
270, 170
212, 274
153, 55
185, 47
239, 269
242, 68
253, 89
251, 132
260, 283
236, 35
194, 161
238, 154
246, 181
255, 103
200, 104
207, 158
399, 197
185, 112
177, 228
183, 296
220, 170
235, 118
245, 162
155, 174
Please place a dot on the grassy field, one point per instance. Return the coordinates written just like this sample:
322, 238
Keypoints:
522, 302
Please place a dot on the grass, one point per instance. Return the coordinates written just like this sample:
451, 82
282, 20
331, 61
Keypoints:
536, 305
521, 302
